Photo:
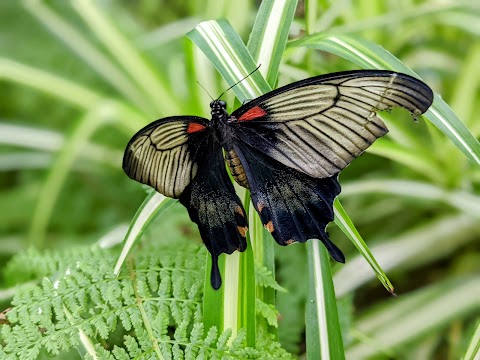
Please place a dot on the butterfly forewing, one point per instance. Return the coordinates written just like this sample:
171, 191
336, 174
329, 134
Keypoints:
164, 154
319, 125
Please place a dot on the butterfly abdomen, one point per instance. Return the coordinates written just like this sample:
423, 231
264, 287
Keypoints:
236, 168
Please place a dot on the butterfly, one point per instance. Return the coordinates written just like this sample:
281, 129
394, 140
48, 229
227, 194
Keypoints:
287, 147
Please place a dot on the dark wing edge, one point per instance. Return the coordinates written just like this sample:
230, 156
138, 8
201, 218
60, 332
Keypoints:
292, 206
415, 85
214, 206
319, 125
164, 154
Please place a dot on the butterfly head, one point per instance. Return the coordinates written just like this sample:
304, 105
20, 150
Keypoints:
218, 109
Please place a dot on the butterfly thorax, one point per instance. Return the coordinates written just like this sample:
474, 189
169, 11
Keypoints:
224, 137
219, 121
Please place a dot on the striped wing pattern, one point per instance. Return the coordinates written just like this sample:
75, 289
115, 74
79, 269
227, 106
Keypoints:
319, 125
163, 154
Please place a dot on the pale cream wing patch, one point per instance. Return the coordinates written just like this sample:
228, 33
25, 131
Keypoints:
163, 154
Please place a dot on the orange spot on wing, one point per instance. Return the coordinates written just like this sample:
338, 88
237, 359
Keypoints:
254, 113
242, 230
260, 206
194, 127
239, 211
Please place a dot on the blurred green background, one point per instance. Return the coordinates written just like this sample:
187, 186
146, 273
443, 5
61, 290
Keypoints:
74, 89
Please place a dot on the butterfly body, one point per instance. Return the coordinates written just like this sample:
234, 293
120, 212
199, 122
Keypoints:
287, 147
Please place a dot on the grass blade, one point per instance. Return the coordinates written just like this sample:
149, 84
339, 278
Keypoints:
395, 324
406, 251
324, 339
62, 166
269, 36
154, 88
80, 45
153, 205
473, 350
225, 49
346, 225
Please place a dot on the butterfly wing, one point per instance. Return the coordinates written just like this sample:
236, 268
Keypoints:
181, 158
215, 207
319, 125
165, 153
293, 206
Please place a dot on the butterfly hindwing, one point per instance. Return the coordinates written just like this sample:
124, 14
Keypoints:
293, 206
215, 207
165, 153
319, 125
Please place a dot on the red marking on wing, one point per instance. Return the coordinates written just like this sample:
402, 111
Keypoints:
194, 127
254, 113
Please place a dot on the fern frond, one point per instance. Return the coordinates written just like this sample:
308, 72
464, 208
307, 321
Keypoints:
152, 310
265, 278
268, 311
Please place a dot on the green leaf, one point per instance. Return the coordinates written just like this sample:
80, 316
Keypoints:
267, 42
324, 337
225, 49
346, 225
411, 317
406, 251
86, 50
269, 36
128, 57
154, 204
473, 350
59, 171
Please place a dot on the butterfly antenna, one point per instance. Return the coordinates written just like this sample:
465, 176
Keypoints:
239, 81
203, 87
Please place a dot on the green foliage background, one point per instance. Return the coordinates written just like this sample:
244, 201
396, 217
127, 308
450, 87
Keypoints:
69, 105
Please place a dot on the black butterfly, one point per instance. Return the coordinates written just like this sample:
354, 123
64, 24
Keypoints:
286, 146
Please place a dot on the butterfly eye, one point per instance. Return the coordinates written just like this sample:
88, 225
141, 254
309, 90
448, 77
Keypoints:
211, 104
222, 103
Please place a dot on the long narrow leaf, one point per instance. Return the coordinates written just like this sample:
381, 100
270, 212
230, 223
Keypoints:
128, 57
473, 350
267, 42
406, 250
59, 171
153, 205
49, 83
395, 324
324, 339
269, 36
225, 49
346, 225
84, 48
